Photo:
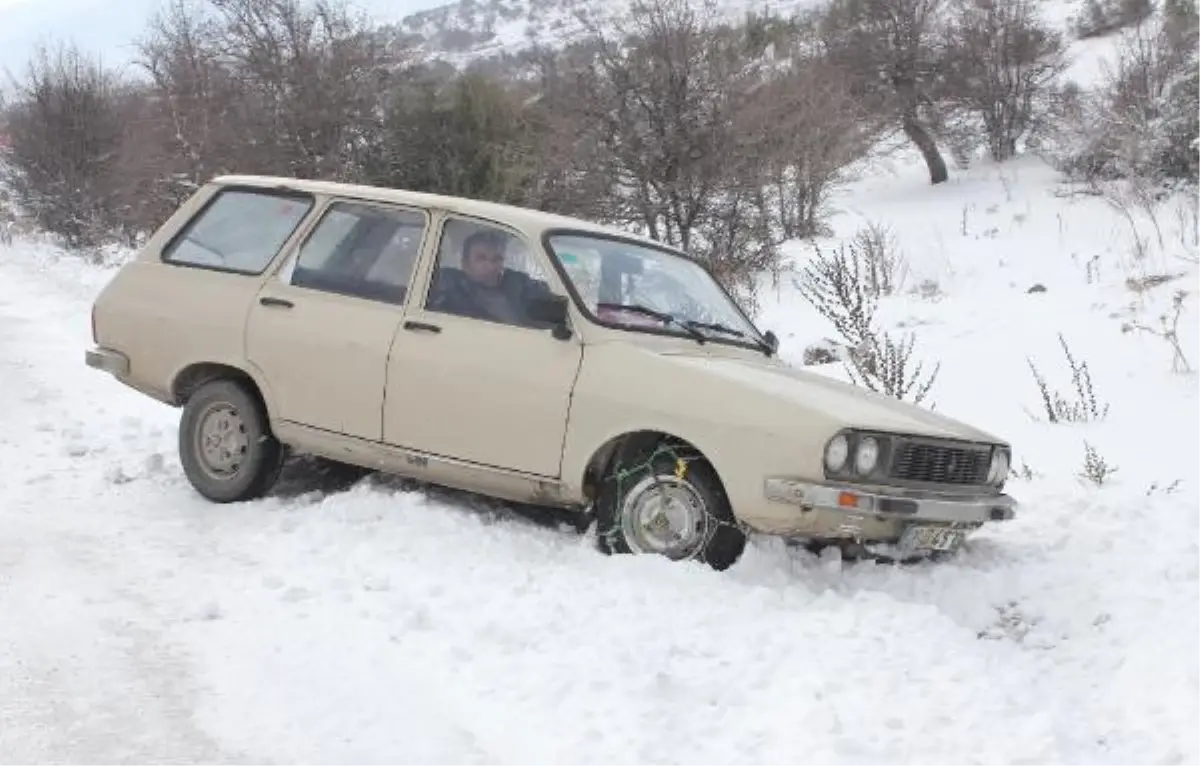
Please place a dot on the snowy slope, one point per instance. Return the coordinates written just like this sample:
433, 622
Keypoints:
467, 30
384, 623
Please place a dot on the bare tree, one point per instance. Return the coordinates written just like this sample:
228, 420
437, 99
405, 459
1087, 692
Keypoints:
1103, 17
1001, 65
574, 175
891, 49
818, 129
198, 97
679, 123
198, 127
468, 136
303, 79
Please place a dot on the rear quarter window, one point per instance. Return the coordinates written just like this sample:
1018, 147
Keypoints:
239, 230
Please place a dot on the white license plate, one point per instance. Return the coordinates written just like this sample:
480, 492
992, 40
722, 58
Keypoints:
931, 539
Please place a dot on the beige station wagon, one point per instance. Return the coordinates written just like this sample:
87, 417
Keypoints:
529, 357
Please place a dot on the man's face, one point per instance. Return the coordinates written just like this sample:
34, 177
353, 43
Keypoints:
484, 264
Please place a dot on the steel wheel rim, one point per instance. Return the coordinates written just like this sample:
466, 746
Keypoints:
221, 442
666, 516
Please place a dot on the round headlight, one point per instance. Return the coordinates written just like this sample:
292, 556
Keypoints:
998, 470
836, 453
866, 456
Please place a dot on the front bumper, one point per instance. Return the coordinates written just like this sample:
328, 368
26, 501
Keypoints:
892, 505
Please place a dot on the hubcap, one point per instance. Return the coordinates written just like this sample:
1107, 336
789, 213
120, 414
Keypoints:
221, 441
664, 515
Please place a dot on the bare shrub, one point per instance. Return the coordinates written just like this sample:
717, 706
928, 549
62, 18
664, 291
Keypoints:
1024, 471
836, 285
1144, 120
845, 287
885, 265
1002, 62
1169, 489
1187, 219
1129, 196
1168, 330
1083, 407
66, 127
1096, 469
884, 365
8, 212
818, 129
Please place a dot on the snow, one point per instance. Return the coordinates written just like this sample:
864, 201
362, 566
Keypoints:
389, 623
511, 26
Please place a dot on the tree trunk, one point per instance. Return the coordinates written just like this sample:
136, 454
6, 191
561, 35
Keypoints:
933, 158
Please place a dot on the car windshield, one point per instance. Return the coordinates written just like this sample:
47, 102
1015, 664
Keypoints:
638, 286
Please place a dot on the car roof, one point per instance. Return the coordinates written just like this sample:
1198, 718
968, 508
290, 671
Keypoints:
521, 217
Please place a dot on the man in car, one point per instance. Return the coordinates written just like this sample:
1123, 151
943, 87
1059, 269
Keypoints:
483, 288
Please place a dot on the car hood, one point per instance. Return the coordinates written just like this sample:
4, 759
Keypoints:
855, 406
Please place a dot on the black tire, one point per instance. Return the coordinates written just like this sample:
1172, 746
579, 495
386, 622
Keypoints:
254, 455
642, 469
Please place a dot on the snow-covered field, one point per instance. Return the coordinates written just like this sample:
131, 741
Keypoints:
388, 624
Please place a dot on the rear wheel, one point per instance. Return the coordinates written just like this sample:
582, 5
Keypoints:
664, 498
225, 444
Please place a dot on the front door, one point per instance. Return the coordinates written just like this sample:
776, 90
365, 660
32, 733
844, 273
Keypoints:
470, 377
321, 329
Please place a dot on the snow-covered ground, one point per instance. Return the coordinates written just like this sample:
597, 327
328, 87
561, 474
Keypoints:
386, 623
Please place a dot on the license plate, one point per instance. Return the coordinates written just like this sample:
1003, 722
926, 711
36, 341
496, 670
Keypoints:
931, 539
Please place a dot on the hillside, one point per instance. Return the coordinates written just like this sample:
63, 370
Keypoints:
468, 30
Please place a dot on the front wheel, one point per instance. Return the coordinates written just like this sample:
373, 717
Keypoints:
666, 499
225, 444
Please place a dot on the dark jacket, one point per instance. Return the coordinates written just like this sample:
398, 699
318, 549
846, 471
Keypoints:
455, 294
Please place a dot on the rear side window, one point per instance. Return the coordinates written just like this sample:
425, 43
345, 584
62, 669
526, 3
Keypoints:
360, 250
239, 230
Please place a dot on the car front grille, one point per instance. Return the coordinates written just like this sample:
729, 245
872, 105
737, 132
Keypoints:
932, 463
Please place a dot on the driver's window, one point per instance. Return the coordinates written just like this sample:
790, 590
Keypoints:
485, 272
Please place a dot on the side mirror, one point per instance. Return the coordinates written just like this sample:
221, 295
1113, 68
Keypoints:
772, 341
550, 310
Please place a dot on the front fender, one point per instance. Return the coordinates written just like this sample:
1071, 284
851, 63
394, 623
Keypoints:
746, 435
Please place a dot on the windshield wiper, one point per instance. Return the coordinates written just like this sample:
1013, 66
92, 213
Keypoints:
659, 315
718, 327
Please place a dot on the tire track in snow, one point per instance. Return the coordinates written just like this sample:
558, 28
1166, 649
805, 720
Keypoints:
87, 673
107, 572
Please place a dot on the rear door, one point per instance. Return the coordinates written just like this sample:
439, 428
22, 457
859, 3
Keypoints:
185, 298
321, 330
